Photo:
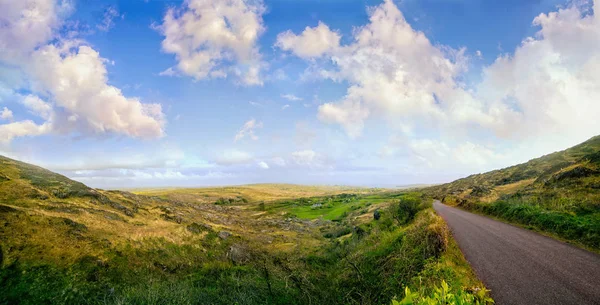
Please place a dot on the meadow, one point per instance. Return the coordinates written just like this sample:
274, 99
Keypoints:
64, 243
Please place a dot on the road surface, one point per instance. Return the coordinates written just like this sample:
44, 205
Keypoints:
523, 267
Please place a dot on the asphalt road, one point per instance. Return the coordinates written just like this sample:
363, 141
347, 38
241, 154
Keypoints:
523, 267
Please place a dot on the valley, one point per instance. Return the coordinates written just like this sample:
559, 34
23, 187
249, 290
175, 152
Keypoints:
62, 242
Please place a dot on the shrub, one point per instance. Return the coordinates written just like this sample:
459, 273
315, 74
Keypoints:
444, 295
407, 208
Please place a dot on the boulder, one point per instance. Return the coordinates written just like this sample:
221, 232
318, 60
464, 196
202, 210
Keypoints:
238, 254
224, 234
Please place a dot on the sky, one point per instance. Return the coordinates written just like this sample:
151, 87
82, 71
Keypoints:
144, 93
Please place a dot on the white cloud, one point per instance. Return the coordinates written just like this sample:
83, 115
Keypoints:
161, 157
108, 19
304, 157
169, 72
215, 39
455, 157
392, 70
279, 74
71, 74
546, 92
313, 42
231, 157
284, 107
350, 114
309, 158
263, 165
37, 106
291, 97
127, 178
27, 24
248, 130
6, 114
551, 84
76, 78
22, 128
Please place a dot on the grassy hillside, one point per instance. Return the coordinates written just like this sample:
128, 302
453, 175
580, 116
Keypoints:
557, 193
62, 242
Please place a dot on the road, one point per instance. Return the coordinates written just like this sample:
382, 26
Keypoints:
523, 267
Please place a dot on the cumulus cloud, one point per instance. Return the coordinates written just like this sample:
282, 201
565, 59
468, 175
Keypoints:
21, 128
77, 80
27, 24
213, 39
37, 106
551, 84
263, 165
312, 42
291, 97
70, 74
248, 130
547, 90
351, 114
6, 114
391, 68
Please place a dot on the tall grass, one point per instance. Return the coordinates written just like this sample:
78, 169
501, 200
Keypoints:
583, 227
368, 264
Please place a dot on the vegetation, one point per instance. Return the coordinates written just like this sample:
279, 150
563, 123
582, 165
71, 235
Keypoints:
558, 193
258, 245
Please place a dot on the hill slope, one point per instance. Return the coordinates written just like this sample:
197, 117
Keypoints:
559, 192
62, 242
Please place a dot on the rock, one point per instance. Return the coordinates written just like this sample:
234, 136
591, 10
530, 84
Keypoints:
376, 215
224, 235
198, 228
238, 254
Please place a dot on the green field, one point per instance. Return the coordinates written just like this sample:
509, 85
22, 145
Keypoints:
334, 207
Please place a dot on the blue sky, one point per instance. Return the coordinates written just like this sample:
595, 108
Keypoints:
140, 93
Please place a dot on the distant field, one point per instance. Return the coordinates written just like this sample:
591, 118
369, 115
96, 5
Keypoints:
252, 192
333, 207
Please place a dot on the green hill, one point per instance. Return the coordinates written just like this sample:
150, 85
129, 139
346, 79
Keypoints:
62, 242
557, 193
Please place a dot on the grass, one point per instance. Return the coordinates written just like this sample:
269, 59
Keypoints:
258, 244
251, 192
583, 229
557, 194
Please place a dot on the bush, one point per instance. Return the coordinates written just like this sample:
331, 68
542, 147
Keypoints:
407, 208
444, 295
583, 228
